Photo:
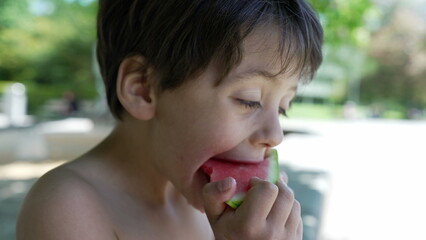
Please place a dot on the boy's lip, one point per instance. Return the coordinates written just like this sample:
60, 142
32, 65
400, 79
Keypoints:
253, 160
236, 160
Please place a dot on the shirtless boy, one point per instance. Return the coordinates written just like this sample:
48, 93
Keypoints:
187, 81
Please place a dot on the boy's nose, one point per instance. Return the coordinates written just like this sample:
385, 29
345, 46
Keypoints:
269, 133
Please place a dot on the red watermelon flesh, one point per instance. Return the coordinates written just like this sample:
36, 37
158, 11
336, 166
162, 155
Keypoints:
268, 170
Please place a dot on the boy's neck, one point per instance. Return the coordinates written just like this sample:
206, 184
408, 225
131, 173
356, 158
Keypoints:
132, 168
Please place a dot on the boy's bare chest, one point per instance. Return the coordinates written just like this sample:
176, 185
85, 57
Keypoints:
132, 220
140, 223
164, 231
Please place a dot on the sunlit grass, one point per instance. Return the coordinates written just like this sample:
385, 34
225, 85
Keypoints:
335, 111
315, 111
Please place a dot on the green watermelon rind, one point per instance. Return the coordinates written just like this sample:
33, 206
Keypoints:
236, 200
274, 168
273, 176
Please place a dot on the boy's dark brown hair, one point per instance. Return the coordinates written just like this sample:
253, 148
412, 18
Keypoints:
181, 37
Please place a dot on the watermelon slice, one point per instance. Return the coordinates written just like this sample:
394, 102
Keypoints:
242, 172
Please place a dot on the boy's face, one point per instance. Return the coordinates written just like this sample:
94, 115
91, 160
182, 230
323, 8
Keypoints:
236, 121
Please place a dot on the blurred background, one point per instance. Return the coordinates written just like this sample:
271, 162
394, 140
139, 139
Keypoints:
354, 140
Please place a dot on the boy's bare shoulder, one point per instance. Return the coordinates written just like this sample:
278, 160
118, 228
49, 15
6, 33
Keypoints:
63, 205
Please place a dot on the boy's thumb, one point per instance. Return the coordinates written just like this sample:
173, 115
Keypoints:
215, 195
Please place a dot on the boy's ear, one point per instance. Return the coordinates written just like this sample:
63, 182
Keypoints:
136, 88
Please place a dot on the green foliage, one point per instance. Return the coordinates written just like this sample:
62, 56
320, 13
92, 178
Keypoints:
4, 85
399, 80
47, 45
347, 31
374, 53
345, 21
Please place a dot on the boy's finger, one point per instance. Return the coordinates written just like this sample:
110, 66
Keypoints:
284, 176
283, 204
258, 200
295, 216
299, 233
215, 195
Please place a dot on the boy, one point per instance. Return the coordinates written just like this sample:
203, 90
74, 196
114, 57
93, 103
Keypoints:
188, 81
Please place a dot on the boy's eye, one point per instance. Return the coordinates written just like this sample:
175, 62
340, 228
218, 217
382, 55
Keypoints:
283, 112
255, 105
249, 104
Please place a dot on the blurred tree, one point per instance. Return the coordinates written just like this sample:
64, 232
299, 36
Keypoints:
375, 51
400, 49
347, 30
345, 21
47, 45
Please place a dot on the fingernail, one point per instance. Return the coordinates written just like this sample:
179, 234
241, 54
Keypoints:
225, 184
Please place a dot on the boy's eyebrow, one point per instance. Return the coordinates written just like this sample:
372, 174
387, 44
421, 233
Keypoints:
257, 72
254, 73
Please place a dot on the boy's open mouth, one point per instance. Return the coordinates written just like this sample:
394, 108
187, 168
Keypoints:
242, 171
233, 162
242, 161
205, 178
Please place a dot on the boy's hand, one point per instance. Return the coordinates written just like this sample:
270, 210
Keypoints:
268, 212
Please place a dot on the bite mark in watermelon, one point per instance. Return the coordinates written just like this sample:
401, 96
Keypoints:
268, 170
